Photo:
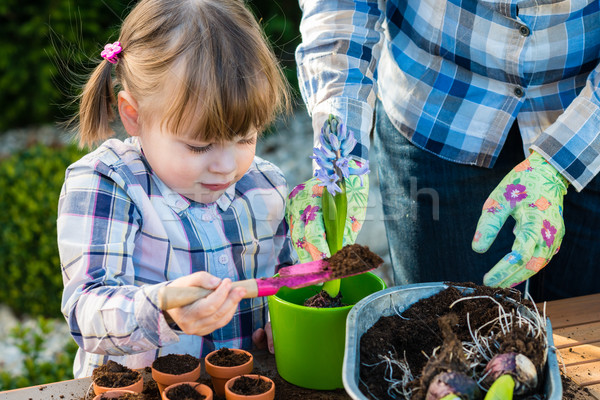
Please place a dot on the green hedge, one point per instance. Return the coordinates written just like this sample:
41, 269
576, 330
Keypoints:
30, 184
37, 370
43, 42
46, 43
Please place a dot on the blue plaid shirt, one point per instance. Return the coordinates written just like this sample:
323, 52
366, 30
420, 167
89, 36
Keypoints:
122, 234
454, 75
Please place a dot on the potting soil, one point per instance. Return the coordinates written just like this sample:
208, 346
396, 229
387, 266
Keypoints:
224, 357
324, 300
350, 260
287, 391
248, 386
150, 391
113, 374
176, 364
184, 392
126, 396
430, 324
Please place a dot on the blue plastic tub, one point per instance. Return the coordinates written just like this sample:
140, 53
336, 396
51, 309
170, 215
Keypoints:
397, 299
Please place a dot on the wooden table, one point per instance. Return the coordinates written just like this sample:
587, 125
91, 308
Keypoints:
264, 363
575, 324
576, 331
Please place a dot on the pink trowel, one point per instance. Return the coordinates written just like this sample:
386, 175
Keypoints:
351, 260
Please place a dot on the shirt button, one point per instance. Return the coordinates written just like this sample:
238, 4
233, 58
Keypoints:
524, 30
180, 203
206, 217
223, 259
519, 92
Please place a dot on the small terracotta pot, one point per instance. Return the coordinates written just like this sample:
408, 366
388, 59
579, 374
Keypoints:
268, 395
200, 388
112, 394
164, 379
136, 387
220, 375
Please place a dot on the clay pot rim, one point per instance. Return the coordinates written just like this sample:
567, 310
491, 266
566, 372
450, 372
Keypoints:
170, 379
135, 387
215, 369
195, 384
118, 391
254, 376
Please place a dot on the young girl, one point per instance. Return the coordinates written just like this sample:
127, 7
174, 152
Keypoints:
183, 201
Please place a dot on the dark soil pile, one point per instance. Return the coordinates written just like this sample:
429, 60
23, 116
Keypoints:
150, 391
324, 300
224, 357
350, 260
428, 336
248, 386
184, 392
114, 375
126, 396
176, 364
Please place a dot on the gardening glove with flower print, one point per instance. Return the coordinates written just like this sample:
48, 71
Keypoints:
533, 194
305, 217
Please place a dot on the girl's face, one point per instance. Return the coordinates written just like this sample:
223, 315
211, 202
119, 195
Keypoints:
200, 171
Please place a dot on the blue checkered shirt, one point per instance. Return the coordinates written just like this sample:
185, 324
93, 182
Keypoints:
122, 234
454, 75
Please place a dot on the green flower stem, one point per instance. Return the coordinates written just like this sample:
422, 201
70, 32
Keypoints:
335, 209
501, 389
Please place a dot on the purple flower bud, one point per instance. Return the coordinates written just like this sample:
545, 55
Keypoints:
348, 145
452, 382
342, 132
332, 156
334, 141
325, 150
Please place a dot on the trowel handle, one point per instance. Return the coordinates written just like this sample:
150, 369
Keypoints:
174, 297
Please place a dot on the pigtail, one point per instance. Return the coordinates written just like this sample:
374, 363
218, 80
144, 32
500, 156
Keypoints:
96, 106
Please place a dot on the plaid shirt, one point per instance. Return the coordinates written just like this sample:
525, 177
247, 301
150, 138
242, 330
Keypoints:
454, 75
122, 234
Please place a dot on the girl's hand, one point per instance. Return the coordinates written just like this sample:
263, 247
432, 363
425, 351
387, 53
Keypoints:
212, 312
263, 338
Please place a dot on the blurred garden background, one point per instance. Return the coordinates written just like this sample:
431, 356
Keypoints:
47, 49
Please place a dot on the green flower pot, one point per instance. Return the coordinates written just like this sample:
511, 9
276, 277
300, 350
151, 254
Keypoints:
310, 342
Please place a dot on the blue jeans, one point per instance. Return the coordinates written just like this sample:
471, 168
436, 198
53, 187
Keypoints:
431, 207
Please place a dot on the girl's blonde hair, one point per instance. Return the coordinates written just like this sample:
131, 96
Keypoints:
211, 59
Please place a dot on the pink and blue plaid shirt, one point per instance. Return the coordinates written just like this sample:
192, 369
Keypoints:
454, 75
122, 234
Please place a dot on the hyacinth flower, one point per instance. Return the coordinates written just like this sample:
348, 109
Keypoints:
326, 212
334, 168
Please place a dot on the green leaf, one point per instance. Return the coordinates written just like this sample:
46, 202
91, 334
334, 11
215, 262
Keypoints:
329, 219
501, 389
335, 209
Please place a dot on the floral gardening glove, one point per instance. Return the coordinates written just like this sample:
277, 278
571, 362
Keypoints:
533, 194
305, 217
326, 212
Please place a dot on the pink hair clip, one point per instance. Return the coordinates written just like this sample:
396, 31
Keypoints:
111, 52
